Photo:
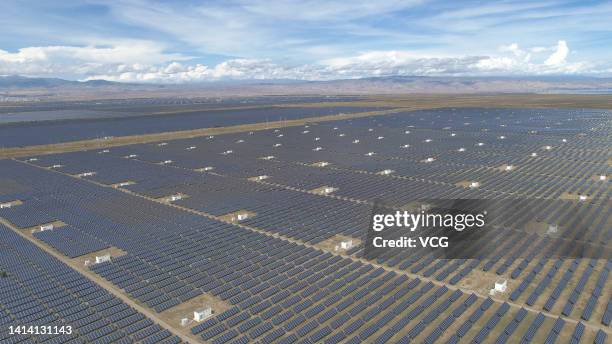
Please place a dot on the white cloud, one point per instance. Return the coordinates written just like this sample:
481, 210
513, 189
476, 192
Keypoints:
513, 60
513, 48
231, 69
79, 61
558, 57
139, 61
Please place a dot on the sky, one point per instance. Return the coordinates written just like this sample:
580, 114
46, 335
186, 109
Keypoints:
198, 41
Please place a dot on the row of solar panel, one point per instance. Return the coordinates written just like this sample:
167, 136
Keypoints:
39, 290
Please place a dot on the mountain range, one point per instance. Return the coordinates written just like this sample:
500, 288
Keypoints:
17, 87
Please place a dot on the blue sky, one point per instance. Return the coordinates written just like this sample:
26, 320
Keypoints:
193, 41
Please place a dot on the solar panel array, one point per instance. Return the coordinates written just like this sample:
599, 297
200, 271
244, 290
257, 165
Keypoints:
64, 130
41, 290
108, 108
290, 288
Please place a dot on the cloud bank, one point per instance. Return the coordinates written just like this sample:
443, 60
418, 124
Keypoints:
138, 61
196, 40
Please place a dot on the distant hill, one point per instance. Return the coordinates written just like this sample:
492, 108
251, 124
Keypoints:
18, 81
420, 84
19, 88
24, 82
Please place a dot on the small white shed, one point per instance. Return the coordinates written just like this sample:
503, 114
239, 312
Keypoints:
47, 227
102, 259
501, 286
202, 314
327, 190
176, 198
346, 244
